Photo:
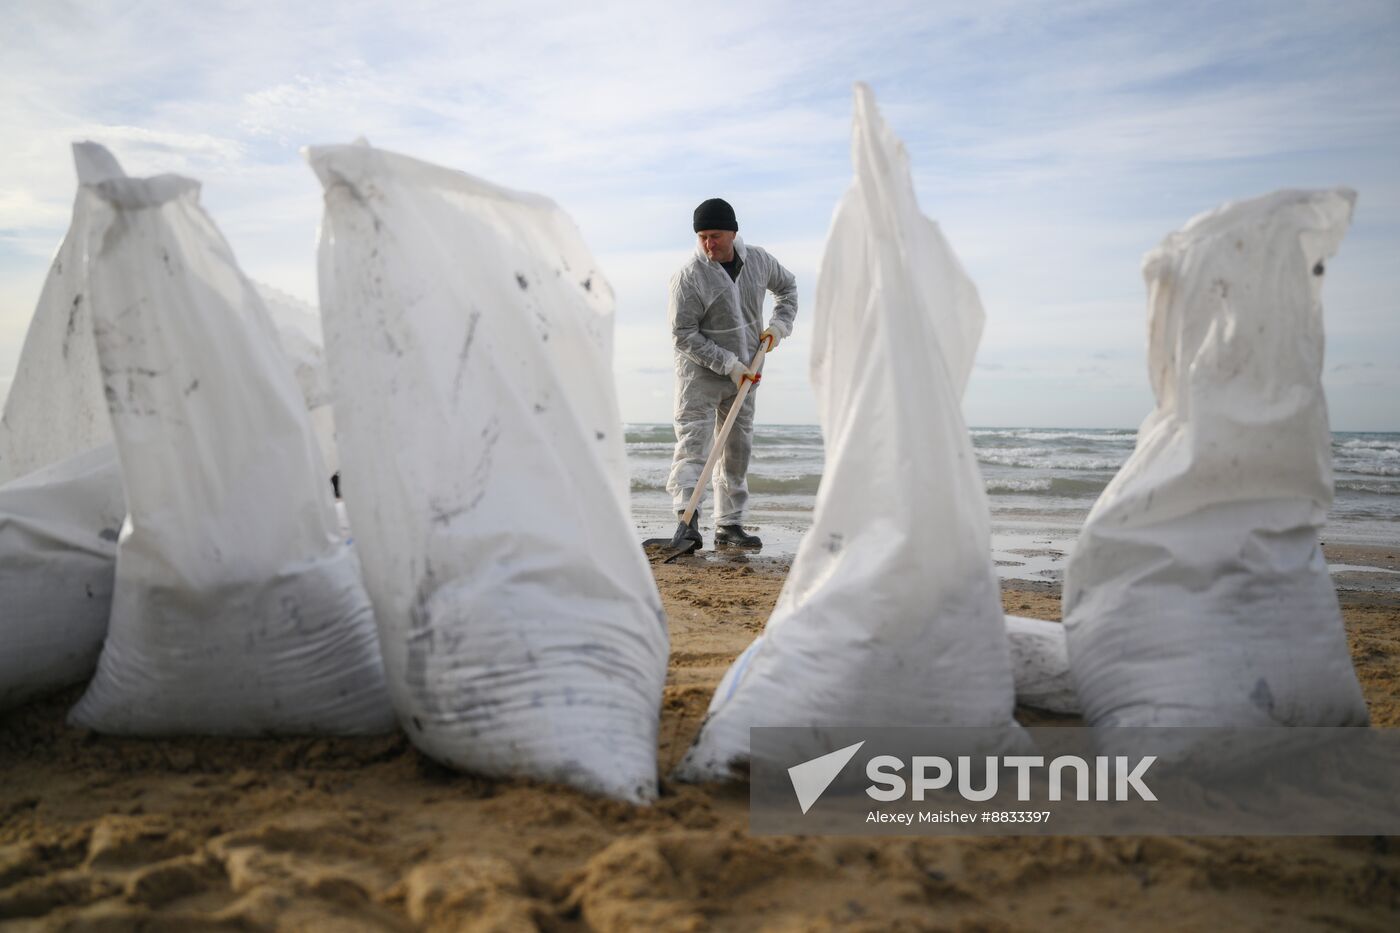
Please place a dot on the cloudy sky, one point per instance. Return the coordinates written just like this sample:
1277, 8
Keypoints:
1055, 143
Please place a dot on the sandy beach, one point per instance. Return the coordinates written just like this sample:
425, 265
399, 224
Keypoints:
99, 833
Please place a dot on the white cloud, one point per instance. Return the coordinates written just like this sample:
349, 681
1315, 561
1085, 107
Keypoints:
1054, 142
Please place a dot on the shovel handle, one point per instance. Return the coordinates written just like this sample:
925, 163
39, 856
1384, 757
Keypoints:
722, 436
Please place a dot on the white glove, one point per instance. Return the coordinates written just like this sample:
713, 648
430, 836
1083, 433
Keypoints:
772, 337
738, 372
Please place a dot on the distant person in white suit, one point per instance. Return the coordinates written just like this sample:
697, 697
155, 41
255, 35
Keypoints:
716, 312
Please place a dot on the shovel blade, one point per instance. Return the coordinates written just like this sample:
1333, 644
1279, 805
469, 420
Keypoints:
677, 545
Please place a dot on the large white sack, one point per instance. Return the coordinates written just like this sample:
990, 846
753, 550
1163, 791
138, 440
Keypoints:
1197, 594
891, 614
60, 487
298, 327
236, 608
1040, 665
58, 550
55, 407
468, 334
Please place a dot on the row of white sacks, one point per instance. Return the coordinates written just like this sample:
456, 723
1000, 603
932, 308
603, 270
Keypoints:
166, 514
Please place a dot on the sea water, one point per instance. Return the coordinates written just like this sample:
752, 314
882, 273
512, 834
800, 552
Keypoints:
1041, 483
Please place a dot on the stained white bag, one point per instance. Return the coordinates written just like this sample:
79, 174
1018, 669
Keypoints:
1197, 594
58, 549
60, 487
468, 334
55, 407
236, 607
891, 614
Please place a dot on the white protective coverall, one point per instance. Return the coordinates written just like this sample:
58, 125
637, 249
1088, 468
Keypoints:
715, 325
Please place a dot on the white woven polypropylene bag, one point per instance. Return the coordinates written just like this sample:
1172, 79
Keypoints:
61, 500
237, 608
891, 614
468, 334
1197, 594
55, 408
58, 549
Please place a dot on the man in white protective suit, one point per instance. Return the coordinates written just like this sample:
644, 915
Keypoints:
716, 311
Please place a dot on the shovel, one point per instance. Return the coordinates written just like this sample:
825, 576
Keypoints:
678, 544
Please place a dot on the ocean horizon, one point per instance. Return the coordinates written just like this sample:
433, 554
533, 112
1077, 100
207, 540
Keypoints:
1040, 484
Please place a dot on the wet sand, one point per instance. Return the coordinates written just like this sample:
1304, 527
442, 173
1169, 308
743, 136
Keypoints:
365, 834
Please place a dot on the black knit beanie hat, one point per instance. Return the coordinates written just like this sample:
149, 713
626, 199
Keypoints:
715, 214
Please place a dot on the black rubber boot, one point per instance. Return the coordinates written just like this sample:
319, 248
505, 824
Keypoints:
735, 536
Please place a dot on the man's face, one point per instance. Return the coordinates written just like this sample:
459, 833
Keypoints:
717, 244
